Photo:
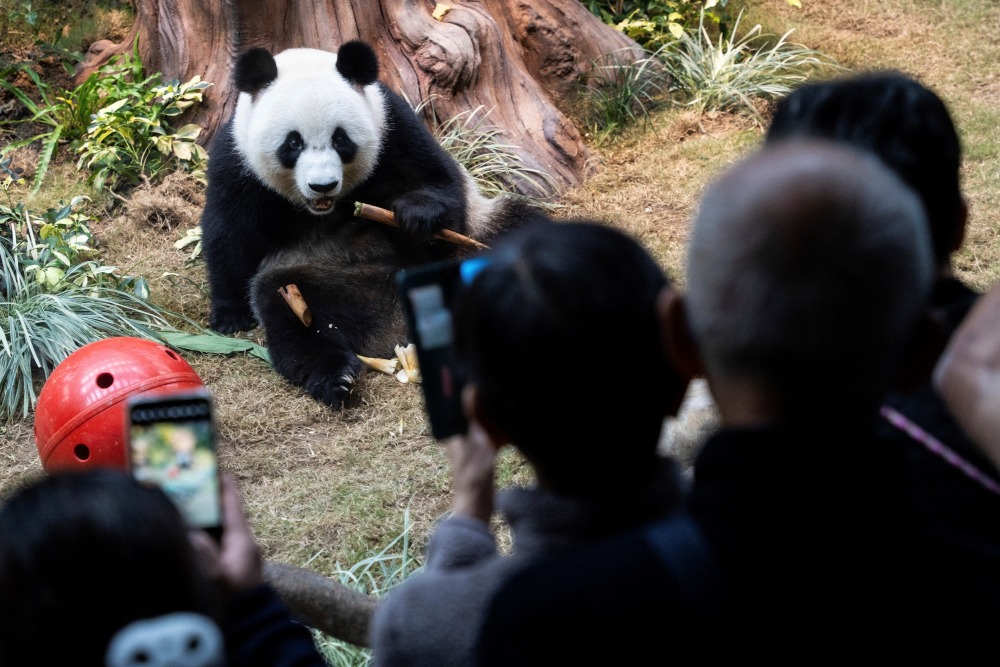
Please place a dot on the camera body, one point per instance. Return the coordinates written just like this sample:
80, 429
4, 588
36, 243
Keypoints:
172, 445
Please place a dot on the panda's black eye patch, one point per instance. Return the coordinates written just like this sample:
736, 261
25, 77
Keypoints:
342, 143
290, 149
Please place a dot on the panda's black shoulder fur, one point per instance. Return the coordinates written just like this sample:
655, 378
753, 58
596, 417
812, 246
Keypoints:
410, 158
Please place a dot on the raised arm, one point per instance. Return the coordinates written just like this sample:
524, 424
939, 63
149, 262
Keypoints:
968, 374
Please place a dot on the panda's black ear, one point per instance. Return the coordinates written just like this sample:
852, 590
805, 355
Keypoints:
357, 62
254, 70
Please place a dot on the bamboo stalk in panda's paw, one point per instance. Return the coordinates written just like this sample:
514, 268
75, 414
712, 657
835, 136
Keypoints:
293, 297
386, 217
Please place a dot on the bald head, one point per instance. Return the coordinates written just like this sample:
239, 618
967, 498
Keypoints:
808, 264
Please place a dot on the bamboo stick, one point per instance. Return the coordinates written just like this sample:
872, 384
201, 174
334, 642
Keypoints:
293, 297
386, 217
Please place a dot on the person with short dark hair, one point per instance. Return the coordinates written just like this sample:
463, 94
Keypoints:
905, 123
808, 264
559, 338
952, 489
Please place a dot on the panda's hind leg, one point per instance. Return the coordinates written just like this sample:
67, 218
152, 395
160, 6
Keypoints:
351, 305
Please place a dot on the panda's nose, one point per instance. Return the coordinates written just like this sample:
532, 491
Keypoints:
324, 187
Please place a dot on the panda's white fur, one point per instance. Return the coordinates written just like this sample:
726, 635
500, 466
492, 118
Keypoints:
306, 94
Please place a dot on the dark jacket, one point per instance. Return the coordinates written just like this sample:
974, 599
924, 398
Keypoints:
799, 538
951, 488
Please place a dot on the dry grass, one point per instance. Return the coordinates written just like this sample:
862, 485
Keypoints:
326, 488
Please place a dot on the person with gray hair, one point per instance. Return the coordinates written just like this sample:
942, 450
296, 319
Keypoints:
796, 271
808, 265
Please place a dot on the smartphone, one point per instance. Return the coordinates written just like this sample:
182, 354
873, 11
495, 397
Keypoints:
427, 293
172, 444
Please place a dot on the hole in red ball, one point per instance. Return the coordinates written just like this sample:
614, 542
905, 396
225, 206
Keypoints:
82, 452
105, 380
170, 353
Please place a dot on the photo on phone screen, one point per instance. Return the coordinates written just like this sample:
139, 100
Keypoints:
427, 292
172, 445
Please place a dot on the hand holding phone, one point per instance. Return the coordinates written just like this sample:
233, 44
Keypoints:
172, 445
236, 560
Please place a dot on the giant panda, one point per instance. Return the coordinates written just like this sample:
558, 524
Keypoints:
312, 133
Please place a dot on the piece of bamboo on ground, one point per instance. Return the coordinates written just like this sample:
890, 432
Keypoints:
386, 217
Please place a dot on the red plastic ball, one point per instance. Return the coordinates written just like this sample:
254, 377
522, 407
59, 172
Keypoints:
80, 419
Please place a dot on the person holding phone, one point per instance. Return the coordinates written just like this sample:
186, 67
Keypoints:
94, 563
555, 330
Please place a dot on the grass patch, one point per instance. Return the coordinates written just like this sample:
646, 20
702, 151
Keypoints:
373, 575
616, 94
739, 70
494, 164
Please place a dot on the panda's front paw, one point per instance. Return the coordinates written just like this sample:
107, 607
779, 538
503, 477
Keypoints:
424, 216
332, 391
227, 320
332, 380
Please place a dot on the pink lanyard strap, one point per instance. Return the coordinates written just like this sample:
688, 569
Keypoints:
900, 421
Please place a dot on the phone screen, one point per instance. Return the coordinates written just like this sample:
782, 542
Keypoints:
427, 293
172, 445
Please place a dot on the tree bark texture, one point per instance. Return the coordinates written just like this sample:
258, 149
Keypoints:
514, 60
322, 603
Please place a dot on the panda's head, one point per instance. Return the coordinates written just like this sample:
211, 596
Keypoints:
309, 123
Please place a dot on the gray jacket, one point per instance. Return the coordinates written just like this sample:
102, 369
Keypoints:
433, 617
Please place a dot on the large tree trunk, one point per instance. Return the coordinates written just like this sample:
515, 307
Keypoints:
518, 61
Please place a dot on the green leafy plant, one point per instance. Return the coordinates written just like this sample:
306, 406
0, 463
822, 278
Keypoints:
730, 73
27, 24
24, 14
56, 296
118, 122
131, 139
39, 327
64, 117
48, 113
617, 92
654, 23
55, 248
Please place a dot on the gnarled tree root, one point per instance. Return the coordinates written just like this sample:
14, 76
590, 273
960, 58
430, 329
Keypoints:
322, 603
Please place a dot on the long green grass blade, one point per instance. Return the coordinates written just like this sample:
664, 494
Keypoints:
49, 147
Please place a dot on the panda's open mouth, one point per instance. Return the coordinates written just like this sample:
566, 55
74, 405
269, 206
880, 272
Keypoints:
321, 205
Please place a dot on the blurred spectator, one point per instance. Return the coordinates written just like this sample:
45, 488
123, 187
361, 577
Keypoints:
559, 336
